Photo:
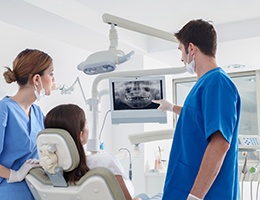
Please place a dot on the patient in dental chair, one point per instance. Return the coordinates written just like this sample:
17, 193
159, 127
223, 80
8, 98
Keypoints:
72, 118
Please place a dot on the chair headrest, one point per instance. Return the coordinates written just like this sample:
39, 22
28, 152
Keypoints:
66, 150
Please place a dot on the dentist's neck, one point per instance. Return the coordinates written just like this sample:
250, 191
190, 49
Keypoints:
203, 64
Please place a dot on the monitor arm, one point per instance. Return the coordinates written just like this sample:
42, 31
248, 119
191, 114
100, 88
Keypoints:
94, 143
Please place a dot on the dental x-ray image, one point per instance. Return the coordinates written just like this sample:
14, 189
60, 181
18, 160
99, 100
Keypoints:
136, 94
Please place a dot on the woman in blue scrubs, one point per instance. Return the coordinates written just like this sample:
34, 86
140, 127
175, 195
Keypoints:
21, 120
203, 162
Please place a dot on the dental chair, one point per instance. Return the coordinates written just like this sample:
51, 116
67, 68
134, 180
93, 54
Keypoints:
49, 184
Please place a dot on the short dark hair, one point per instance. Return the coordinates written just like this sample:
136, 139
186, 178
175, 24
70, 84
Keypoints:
201, 33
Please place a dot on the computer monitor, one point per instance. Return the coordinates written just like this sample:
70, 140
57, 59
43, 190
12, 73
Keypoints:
131, 99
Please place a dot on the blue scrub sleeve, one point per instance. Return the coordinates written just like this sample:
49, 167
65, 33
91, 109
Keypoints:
3, 124
219, 108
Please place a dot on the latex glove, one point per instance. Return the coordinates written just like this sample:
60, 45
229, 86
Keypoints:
192, 197
19, 175
164, 105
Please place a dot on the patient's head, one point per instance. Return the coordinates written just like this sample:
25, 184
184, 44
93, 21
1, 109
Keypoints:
71, 118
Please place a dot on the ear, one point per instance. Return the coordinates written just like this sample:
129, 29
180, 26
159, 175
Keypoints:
192, 48
81, 136
35, 79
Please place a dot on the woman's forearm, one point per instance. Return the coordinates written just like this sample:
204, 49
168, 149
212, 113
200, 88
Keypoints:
4, 172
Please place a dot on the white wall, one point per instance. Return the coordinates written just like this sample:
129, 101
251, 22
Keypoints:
65, 59
244, 51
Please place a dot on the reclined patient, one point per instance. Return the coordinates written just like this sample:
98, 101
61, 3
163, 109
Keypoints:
72, 118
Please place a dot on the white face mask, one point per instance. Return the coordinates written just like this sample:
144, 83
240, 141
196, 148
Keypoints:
41, 94
190, 66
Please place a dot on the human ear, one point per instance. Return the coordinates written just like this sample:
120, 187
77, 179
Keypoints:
192, 48
36, 79
81, 136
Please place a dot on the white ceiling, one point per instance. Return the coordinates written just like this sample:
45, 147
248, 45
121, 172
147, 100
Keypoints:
79, 22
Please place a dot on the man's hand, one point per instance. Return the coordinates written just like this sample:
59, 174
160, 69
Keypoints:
164, 105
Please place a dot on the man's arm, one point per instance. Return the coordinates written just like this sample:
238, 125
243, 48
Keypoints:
210, 165
176, 109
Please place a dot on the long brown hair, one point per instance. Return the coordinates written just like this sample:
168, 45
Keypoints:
71, 118
27, 63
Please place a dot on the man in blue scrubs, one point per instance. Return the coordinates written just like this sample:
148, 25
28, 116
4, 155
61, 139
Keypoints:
203, 162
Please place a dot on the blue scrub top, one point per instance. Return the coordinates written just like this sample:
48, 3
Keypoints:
212, 105
18, 134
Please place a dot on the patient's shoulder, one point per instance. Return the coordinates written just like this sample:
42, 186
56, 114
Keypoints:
106, 160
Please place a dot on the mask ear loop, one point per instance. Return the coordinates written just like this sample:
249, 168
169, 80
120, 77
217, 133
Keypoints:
189, 53
40, 94
188, 57
34, 79
40, 80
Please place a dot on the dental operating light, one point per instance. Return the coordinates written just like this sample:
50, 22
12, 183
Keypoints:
105, 61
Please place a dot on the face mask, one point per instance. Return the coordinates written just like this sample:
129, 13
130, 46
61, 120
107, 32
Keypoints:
190, 66
41, 94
